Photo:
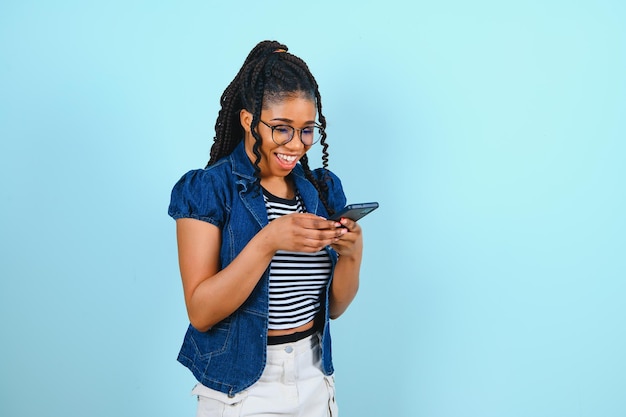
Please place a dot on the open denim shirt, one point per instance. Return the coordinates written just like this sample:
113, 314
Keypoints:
231, 355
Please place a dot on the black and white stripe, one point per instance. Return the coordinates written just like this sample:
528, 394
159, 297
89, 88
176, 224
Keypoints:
297, 279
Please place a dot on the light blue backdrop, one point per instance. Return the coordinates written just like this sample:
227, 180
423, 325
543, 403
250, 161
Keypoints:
492, 134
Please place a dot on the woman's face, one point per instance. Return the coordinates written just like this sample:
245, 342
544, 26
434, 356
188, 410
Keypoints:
297, 111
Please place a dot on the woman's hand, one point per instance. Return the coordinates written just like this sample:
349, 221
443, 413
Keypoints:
303, 232
350, 244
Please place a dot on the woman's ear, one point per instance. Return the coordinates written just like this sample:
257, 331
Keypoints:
245, 117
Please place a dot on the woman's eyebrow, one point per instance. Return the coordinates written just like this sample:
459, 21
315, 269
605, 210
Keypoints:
281, 119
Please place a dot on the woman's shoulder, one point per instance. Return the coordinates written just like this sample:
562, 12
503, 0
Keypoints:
336, 196
201, 193
327, 176
219, 172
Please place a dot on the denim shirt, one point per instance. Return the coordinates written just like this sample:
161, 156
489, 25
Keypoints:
231, 355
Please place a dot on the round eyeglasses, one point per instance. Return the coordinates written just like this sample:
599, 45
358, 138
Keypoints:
282, 134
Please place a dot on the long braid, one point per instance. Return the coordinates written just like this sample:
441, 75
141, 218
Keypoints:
256, 116
268, 73
228, 130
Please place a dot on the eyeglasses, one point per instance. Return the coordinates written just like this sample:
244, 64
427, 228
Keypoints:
282, 134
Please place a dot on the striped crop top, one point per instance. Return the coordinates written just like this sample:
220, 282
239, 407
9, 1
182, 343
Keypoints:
297, 279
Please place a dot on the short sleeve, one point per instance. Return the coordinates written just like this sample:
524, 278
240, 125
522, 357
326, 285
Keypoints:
197, 195
336, 196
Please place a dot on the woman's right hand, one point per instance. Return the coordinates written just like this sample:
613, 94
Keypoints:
302, 232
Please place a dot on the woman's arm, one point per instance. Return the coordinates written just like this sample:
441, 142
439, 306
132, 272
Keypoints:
212, 294
346, 277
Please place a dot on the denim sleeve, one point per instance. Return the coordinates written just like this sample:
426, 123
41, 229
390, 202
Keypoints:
197, 196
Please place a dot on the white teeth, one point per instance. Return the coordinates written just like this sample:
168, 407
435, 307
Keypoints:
287, 158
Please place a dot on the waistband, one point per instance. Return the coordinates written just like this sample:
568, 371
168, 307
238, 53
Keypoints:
290, 338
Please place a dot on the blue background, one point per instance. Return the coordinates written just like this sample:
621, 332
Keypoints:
491, 133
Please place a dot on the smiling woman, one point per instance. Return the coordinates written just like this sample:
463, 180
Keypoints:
263, 269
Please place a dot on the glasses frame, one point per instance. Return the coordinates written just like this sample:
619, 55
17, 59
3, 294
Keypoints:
293, 130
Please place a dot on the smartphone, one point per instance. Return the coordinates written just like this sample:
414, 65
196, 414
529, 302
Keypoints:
355, 211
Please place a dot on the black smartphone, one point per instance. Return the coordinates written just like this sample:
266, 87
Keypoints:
355, 211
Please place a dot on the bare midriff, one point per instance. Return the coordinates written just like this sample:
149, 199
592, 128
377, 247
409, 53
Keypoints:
282, 332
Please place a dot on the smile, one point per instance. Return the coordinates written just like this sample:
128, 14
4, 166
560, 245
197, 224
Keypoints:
287, 158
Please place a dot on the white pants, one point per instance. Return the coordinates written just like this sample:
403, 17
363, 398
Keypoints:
292, 384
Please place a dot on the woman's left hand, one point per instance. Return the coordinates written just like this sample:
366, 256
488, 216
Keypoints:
349, 244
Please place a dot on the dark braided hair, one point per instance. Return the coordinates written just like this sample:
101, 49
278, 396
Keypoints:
269, 73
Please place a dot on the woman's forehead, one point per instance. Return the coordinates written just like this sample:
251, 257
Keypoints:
286, 107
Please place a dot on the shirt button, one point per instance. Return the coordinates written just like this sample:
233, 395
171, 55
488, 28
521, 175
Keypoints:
288, 349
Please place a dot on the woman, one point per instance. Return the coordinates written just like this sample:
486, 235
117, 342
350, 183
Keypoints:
263, 269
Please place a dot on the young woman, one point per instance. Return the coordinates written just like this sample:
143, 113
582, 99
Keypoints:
263, 268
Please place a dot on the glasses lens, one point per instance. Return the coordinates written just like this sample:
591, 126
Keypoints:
282, 134
311, 135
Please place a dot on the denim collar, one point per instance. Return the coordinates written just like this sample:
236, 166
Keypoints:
242, 166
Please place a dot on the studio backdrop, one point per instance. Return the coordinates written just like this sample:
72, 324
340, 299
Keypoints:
492, 133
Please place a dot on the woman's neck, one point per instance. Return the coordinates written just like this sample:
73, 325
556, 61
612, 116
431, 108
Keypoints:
280, 187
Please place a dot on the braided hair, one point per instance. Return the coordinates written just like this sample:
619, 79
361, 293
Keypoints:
269, 73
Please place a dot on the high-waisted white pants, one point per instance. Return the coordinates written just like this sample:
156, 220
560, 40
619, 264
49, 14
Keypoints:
292, 384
